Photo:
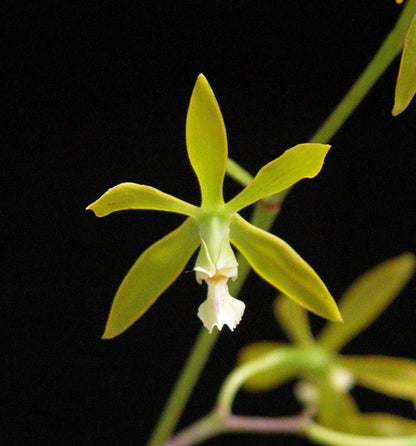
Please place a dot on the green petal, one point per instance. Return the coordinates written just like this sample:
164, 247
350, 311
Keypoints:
206, 140
270, 379
275, 261
406, 79
137, 196
395, 377
339, 411
367, 298
382, 424
154, 271
301, 161
336, 409
293, 320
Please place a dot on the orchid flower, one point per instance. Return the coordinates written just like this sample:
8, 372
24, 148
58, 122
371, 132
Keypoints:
327, 383
212, 227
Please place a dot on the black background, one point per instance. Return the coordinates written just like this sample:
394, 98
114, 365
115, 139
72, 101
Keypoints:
100, 98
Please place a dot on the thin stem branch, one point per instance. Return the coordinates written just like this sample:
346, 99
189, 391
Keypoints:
266, 425
184, 386
239, 376
215, 424
199, 354
237, 173
293, 357
207, 427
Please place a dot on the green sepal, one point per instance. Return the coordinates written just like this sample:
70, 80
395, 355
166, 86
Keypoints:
395, 377
339, 411
336, 409
206, 141
381, 424
406, 79
270, 379
301, 161
367, 298
154, 271
126, 196
293, 320
276, 262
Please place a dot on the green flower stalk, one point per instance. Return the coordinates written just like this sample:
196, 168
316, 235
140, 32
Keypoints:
213, 226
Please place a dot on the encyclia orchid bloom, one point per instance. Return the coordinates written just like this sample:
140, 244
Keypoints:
327, 384
213, 226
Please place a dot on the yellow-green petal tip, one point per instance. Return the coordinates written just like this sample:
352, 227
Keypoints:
107, 335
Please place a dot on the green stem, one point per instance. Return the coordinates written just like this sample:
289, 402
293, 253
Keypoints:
237, 173
323, 435
216, 424
265, 217
281, 357
207, 427
386, 54
293, 358
197, 358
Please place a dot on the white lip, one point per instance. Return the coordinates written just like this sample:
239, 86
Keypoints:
220, 308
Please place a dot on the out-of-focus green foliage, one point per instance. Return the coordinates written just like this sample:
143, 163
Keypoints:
293, 320
328, 387
406, 79
364, 301
265, 380
395, 377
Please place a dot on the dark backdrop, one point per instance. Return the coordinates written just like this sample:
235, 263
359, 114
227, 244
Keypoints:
101, 96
